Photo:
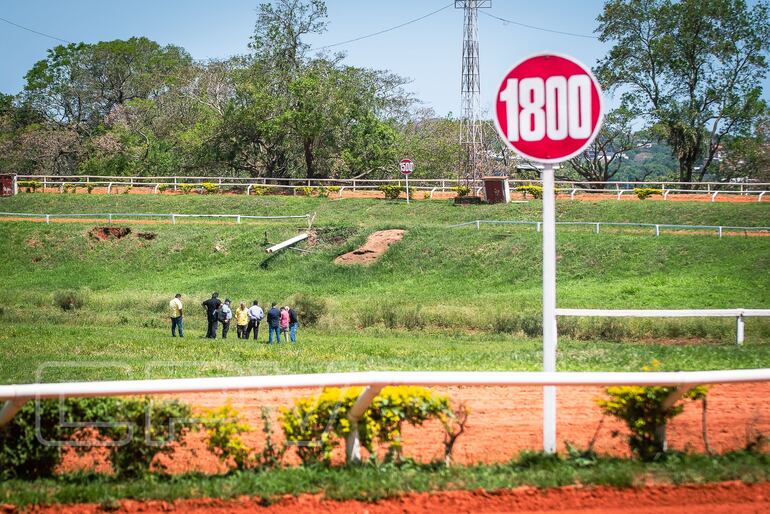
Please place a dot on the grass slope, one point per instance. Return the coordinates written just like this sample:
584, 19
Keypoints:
440, 299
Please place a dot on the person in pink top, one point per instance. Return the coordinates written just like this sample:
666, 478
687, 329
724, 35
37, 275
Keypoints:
285, 324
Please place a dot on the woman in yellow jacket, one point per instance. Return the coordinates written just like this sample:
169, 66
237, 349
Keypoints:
241, 320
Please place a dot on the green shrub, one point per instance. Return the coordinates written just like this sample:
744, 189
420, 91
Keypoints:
391, 192
146, 429
162, 188
30, 185
309, 309
69, 300
127, 189
223, 436
306, 191
535, 191
315, 425
531, 324
642, 409
461, 190
24, 455
210, 188
506, 323
644, 192
333, 189
224, 428
90, 188
259, 190
186, 188
426, 196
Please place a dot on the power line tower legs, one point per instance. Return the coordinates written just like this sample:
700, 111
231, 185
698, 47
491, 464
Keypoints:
471, 130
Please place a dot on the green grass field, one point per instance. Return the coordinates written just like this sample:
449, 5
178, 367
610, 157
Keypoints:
443, 298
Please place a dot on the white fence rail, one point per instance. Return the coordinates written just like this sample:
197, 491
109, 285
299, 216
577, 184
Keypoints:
571, 187
738, 314
718, 229
110, 217
16, 396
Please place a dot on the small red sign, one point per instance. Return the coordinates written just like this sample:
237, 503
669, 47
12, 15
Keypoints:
406, 166
548, 108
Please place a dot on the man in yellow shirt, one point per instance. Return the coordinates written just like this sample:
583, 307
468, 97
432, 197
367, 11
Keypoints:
241, 320
175, 307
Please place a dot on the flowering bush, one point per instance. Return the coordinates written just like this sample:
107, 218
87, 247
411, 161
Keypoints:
315, 425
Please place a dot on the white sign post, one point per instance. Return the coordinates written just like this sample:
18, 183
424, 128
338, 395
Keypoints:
549, 109
407, 167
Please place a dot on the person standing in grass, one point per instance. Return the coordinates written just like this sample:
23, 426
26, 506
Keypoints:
241, 320
293, 324
212, 305
255, 317
285, 324
225, 315
274, 324
175, 306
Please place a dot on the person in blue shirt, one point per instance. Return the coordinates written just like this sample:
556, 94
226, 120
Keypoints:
274, 324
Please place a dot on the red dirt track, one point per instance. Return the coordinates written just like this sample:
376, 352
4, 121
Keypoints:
722, 498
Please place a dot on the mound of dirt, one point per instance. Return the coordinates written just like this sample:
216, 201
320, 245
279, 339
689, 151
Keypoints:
149, 236
106, 233
376, 245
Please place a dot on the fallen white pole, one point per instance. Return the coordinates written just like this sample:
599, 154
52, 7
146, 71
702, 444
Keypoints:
288, 242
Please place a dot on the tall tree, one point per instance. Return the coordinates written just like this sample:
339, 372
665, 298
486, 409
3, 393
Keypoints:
692, 68
77, 85
604, 157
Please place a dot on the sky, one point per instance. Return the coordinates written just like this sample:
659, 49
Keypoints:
428, 51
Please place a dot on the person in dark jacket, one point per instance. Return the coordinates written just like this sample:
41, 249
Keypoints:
274, 324
293, 324
212, 305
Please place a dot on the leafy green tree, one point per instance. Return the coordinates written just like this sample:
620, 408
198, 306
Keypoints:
79, 84
692, 68
606, 154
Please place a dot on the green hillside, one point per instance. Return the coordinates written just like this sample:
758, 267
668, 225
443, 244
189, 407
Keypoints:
443, 298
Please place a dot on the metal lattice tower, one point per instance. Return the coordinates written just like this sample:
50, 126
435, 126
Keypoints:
471, 134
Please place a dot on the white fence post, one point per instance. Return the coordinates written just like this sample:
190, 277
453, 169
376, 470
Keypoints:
597, 228
739, 330
714, 196
109, 219
478, 225
173, 219
48, 219
538, 226
657, 230
720, 232
353, 442
238, 219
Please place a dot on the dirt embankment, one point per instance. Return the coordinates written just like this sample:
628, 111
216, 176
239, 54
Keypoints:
376, 245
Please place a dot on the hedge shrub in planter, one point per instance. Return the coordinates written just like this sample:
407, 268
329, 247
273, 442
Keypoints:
22, 455
317, 425
645, 192
535, 191
642, 409
391, 192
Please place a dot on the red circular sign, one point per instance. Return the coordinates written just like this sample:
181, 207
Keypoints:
406, 166
548, 108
